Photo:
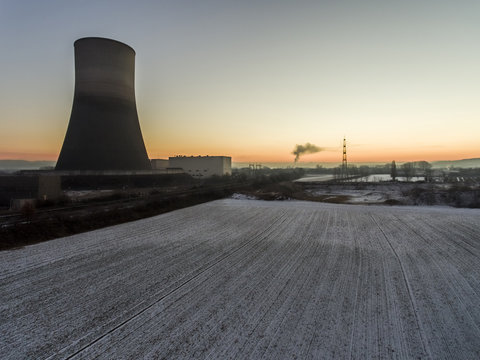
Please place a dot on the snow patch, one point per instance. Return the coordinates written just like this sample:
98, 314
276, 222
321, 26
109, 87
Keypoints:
238, 196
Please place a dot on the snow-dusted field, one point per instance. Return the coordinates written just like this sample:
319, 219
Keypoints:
251, 279
376, 195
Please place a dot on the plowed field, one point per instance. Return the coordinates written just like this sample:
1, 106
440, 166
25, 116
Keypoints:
251, 279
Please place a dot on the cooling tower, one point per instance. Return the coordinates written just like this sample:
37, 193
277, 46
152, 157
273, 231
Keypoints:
103, 132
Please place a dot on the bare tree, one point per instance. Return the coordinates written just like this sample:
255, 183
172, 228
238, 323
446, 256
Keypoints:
364, 171
337, 173
393, 171
408, 170
426, 169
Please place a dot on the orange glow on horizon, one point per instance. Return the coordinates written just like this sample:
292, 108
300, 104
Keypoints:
28, 156
252, 158
333, 156
276, 155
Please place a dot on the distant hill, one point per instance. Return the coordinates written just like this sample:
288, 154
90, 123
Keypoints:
13, 165
464, 163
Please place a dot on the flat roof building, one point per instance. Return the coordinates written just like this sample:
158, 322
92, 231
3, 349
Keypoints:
159, 164
202, 166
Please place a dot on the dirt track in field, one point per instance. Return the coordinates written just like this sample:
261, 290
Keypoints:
251, 279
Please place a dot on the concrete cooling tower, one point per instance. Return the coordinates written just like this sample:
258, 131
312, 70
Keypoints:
103, 132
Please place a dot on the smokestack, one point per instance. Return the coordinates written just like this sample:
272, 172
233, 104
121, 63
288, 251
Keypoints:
103, 132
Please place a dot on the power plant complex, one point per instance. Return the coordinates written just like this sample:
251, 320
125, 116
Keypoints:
196, 166
104, 133
103, 146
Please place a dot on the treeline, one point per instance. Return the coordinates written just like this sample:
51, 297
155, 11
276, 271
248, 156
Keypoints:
407, 170
264, 175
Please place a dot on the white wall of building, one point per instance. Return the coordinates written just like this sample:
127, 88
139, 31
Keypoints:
158, 164
202, 166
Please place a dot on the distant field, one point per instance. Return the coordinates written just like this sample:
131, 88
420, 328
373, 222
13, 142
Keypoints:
251, 279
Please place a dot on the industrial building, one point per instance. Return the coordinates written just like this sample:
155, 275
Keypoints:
159, 164
199, 166
104, 131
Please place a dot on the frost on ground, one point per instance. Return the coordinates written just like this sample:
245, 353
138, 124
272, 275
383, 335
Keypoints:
251, 279
316, 178
83, 193
377, 194
399, 193
238, 196
359, 196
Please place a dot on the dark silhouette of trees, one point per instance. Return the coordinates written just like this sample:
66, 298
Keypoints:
364, 171
393, 171
408, 170
426, 169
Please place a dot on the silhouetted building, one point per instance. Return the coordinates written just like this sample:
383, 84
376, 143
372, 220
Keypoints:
103, 132
202, 166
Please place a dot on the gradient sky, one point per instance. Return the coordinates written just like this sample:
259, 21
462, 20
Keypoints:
250, 79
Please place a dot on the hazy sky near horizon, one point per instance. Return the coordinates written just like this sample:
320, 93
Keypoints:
250, 79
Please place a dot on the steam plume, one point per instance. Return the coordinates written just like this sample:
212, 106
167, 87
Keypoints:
305, 149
